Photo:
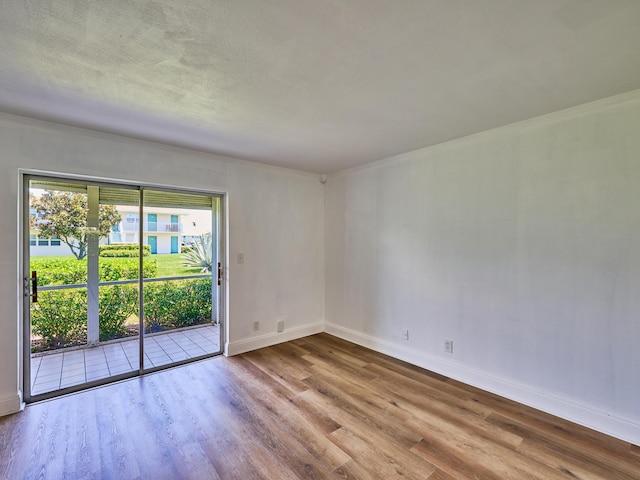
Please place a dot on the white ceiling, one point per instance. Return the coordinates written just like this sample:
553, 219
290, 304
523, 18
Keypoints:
317, 85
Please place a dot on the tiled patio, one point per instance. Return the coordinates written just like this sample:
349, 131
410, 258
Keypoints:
53, 371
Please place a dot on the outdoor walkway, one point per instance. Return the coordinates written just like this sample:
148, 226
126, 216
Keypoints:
53, 371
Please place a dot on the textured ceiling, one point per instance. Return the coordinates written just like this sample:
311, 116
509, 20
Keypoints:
317, 85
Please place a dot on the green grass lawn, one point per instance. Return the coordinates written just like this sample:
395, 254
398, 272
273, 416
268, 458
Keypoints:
170, 265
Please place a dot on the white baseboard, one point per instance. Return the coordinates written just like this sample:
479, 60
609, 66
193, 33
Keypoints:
622, 428
11, 404
246, 345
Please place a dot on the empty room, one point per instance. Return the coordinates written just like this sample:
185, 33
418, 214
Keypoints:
299, 239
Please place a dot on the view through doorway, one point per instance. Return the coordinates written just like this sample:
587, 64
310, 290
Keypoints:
119, 280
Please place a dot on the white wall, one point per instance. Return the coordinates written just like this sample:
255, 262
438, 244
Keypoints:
521, 244
275, 219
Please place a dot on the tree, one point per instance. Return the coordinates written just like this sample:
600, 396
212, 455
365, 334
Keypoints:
63, 215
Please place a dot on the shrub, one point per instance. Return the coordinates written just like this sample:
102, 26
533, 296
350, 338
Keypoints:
59, 271
69, 271
116, 304
60, 317
177, 303
199, 254
112, 269
124, 250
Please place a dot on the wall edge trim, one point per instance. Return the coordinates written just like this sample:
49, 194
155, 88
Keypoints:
11, 404
622, 428
269, 339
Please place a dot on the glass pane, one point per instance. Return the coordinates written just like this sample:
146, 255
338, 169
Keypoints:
179, 294
59, 316
84, 325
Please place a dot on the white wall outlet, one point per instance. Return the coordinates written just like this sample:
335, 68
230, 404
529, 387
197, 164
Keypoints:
281, 326
448, 346
405, 334
256, 325
240, 258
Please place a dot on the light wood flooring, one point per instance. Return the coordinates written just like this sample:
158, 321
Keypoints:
317, 407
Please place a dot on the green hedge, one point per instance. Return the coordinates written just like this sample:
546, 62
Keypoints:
115, 305
69, 271
124, 250
112, 269
60, 316
177, 303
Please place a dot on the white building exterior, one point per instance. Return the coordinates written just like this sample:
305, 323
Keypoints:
165, 230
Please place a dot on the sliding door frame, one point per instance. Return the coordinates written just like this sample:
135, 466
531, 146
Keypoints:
24, 337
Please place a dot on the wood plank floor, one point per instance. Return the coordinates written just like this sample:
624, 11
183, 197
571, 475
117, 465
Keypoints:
317, 407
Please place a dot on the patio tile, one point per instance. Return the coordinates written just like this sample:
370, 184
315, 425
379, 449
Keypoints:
92, 362
155, 356
35, 363
98, 375
113, 351
74, 353
118, 363
75, 367
97, 368
48, 364
68, 362
54, 377
73, 370
155, 361
45, 387
72, 375
98, 353
160, 362
153, 350
44, 377
95, 361
174, 351
194, 351
134, 357
179, 356
72, 381
172, 346
47, 379
117, 359
120, 370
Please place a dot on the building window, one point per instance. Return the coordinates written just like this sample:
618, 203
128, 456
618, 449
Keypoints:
55, 242
43, 242
32, 240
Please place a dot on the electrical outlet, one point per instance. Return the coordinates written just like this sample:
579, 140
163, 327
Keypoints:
240, 258
256, 325
405, 334
448, 346
280, 326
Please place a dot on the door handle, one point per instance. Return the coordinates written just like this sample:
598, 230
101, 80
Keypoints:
219, 273
34, 286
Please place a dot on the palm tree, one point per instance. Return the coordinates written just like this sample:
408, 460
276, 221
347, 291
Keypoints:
199, 254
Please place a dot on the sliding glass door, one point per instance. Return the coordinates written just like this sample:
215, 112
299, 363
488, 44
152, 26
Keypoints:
181, 291
118, 280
